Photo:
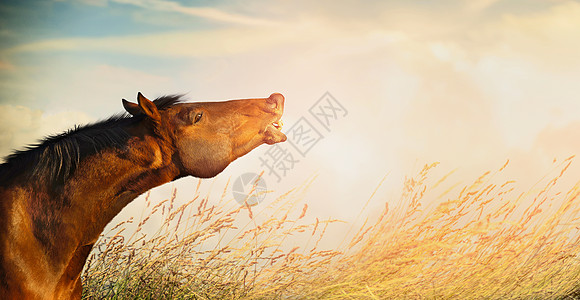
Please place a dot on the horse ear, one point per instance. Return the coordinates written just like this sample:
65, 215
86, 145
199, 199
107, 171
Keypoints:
131, 108
147, 107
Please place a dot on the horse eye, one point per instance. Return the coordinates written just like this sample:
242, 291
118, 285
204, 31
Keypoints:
197, 117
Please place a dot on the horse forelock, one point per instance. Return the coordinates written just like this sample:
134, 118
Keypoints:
55, 158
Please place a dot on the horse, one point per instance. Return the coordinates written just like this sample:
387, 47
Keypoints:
57, 196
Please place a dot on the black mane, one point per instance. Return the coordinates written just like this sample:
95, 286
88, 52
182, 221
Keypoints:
55, 158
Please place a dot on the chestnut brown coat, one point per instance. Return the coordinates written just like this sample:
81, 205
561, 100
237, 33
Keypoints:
57, 197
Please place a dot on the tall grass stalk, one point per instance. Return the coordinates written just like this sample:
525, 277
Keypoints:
206, 251
482, 241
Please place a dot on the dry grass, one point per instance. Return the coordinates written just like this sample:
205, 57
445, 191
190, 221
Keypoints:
482, 241
202, 252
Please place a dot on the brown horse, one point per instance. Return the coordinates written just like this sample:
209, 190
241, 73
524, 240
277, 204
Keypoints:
57, 197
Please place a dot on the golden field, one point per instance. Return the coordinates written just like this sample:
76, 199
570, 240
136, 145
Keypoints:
439, 240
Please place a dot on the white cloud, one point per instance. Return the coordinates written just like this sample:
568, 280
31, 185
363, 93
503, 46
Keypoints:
529, 64
209, 13
479, 5
101, 3
420, 86
175, 44
21, 126
559, 142
547, 38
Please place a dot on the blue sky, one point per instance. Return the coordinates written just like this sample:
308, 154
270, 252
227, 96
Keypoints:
467, 83
32, 20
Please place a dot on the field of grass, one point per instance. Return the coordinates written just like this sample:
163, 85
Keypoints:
484, 240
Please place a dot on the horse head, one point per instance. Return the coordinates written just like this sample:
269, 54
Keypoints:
208, 136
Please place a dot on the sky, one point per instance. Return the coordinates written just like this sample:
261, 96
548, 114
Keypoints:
469, 84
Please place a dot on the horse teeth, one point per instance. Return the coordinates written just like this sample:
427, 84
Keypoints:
278, 125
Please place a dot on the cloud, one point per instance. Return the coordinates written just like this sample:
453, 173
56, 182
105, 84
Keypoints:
6, 66
543, 37
480, 5
115, 77
207, 43
524, 63
528, 64
209, 13
100, 3
559, 141
21, 126
421, 84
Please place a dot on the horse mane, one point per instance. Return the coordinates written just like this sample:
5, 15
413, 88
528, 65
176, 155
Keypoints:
56, 157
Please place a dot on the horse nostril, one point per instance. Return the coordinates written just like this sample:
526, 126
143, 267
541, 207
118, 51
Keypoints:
276, 100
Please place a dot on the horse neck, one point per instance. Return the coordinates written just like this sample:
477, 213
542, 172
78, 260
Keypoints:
108, 181
51, 228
